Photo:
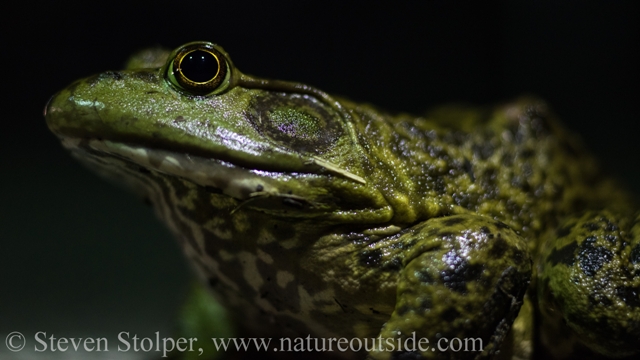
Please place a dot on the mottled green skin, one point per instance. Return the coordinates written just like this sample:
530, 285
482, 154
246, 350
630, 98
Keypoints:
309, 214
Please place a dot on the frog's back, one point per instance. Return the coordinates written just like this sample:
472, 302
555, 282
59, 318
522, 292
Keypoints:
514, 163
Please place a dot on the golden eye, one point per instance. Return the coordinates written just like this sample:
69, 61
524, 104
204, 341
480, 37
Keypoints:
199, 69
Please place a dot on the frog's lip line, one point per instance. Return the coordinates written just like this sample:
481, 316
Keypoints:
311, 165
234, 181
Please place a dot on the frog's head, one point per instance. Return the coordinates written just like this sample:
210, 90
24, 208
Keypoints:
273, 146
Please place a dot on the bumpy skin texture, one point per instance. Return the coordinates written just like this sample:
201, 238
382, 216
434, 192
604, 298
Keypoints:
308, 214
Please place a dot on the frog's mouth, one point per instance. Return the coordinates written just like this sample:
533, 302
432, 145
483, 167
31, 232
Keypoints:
279, 193
237, 182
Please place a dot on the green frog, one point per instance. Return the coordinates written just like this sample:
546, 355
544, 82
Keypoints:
464, 233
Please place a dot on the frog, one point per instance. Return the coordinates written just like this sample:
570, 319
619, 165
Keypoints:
310, 216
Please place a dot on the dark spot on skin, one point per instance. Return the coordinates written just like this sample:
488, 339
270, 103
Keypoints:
286, 231
402, 310
453, 221
464, 199
630, 295
259, 188
591, 226
507, 160
180, 189
147, 201
212, 282
393, 265
484, 150
501, 225
211, 243
488, 180
264, 295
371, 257
426, 304
590, 241
436, 152
527, 153
518, 255
611, 227
564, 255
592, 258
424, 276
634, 257
526, 187
268, 278
498, 247
564, 231
611, 238
450, 315
440, 186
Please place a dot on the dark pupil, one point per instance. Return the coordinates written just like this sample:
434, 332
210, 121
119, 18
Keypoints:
199, 66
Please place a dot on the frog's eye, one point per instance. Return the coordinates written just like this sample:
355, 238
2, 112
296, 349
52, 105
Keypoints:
199, 69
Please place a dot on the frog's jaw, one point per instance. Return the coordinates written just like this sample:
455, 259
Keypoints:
209, 173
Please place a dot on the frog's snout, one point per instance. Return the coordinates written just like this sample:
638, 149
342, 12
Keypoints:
53, 111
49, 111
46, 106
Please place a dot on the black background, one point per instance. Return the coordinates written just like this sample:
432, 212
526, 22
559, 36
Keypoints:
79, 256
